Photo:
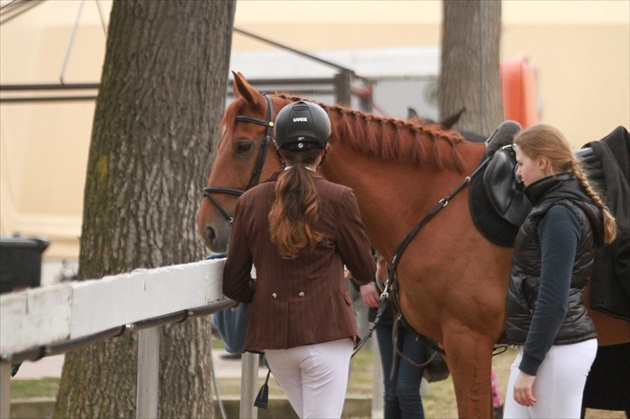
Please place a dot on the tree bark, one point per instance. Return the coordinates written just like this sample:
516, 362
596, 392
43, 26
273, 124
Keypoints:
470, 64
161, 98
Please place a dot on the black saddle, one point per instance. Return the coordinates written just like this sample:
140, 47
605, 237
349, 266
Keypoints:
504, 189
497, 205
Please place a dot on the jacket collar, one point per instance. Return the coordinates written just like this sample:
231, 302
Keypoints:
566, 186
537, 190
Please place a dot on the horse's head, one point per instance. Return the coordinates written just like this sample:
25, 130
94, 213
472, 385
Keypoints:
245, 155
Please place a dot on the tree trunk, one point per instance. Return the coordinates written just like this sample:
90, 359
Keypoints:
470, 64
159, 106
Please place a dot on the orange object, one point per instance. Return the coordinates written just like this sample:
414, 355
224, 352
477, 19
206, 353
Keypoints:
519, 90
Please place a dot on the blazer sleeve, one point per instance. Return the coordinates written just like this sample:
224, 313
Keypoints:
352, 242
237, 281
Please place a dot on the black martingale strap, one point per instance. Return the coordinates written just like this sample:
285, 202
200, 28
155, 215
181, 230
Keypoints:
392, 284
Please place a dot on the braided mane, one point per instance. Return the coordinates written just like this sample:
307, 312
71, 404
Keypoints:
385, 137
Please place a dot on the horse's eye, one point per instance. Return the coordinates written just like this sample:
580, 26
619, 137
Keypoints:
243, 146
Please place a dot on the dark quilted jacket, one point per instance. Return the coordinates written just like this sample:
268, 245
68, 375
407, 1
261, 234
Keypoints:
526, 263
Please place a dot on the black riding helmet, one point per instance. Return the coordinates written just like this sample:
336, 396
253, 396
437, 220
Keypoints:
301, 126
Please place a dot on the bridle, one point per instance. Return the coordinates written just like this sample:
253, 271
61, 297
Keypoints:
260, 161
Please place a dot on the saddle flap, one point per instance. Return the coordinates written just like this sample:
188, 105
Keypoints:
499, 182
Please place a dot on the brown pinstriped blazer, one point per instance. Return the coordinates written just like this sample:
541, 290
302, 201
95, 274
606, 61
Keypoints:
304, 300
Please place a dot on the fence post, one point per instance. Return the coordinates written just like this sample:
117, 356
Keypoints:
343, 88
377, 382
5, 389
148, 372
249, 381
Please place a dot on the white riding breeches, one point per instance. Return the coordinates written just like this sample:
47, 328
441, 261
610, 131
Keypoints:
559, 384
313, 377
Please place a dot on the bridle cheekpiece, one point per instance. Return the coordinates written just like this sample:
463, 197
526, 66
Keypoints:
258, 167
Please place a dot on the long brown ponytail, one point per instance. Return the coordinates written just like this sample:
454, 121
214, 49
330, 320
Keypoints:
610, 225
293, 215
546, 141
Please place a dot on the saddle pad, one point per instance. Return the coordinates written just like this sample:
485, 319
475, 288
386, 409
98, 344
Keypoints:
493, 227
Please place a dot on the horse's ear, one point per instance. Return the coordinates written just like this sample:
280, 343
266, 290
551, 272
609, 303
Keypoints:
245, 90
452, 120
412, 114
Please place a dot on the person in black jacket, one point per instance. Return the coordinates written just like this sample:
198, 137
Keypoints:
551, 265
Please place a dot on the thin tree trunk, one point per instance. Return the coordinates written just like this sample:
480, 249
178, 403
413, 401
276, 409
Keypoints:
470, 64
161, 97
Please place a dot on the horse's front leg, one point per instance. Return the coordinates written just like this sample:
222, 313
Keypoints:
469, 358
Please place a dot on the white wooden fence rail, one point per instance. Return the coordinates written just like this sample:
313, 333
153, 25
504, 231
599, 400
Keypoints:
72, 310
35, 321
46, 321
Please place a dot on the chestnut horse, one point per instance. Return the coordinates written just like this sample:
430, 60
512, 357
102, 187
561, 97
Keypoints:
452, 281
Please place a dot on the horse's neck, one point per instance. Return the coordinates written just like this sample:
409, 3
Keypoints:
392, 196
386, 196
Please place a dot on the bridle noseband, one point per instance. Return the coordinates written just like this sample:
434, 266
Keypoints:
260, 161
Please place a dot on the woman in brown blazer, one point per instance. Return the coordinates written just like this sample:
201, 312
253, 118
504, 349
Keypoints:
299, 230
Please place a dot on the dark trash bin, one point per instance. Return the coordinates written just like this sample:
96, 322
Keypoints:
21, 262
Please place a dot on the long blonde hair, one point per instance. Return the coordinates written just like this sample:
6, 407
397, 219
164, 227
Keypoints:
548, 142
294, 213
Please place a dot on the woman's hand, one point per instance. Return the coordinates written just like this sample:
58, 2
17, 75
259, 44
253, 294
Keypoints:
370, 294
523, 389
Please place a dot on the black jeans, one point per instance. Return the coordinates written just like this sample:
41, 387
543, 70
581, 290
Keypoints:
402, 393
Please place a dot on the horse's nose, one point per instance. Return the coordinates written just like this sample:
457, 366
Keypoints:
215, 235
210, 235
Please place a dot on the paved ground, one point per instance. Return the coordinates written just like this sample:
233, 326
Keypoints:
51, 367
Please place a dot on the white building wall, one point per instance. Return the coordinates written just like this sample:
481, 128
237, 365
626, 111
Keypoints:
581, 49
